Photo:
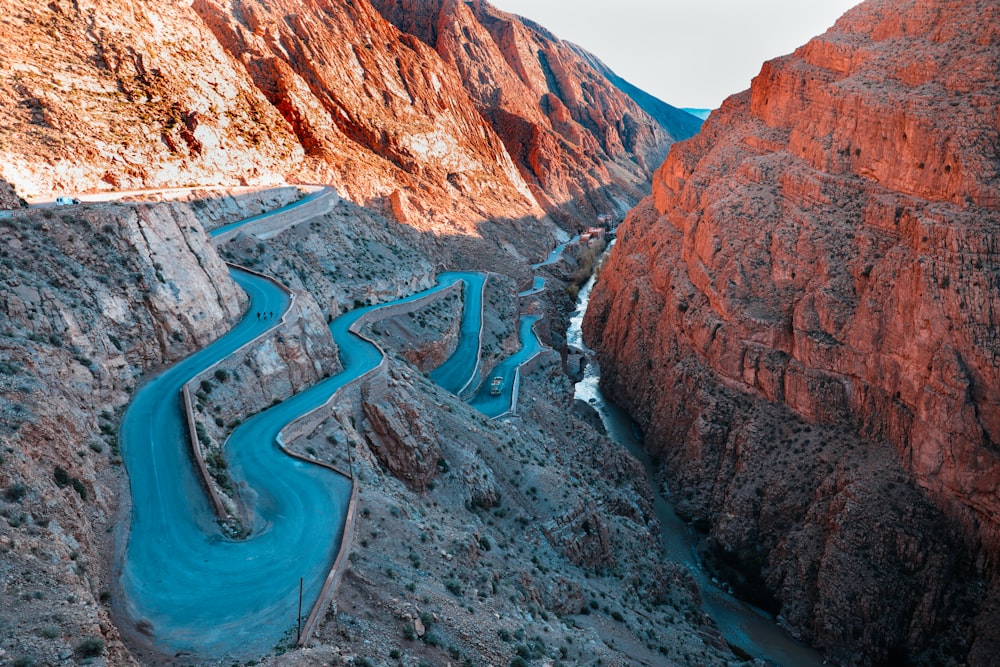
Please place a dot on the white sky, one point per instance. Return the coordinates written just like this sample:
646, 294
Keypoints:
689, 53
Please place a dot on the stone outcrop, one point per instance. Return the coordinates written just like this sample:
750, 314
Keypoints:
577, 139
8, 198
402, 440
91, 298
802, 317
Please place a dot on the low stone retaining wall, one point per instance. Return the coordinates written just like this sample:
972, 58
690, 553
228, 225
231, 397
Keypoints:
467, 391
199, 458
528, 365
310, 421
336, 573
272, 224
397, 309
196, 453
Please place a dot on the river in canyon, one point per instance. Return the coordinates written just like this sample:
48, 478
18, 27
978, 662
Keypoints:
744, 626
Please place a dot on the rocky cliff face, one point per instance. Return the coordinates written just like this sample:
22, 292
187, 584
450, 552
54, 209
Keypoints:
8, 197
91, 298
803, 319
578, 141
380, 114
129, 94
499, 119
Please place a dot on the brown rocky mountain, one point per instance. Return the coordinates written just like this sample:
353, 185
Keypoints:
803, 318
578, 140
501, 121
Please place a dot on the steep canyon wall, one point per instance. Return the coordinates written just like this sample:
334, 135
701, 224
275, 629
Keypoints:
803, 318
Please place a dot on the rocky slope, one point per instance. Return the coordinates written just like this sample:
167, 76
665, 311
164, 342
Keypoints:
91, 299
8, 197
581, 143
802, 317
478, 539
256, 92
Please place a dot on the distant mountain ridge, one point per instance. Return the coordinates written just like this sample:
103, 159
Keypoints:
699, 113
677, 122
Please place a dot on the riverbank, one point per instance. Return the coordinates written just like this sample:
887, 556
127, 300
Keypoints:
748, 630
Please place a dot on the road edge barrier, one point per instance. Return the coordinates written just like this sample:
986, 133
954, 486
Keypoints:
479, 351
533, 359
218, 507
272, 223
337, 569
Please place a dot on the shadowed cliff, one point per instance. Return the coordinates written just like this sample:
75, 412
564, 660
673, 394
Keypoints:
803, 318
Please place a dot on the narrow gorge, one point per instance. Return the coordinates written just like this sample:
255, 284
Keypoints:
290, 371
802, 320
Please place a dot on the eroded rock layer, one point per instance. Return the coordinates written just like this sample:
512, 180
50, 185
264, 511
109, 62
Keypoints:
501, 122
803, 318
577, 139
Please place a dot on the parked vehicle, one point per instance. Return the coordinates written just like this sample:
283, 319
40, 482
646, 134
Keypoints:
496, 385
66, 201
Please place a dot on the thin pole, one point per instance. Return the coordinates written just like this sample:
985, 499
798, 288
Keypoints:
350, 457
298, 631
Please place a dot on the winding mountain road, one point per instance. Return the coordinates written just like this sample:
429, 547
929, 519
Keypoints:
186, 585
461, 369
509, 370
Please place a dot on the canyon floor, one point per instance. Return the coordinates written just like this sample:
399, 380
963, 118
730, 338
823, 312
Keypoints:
525, 540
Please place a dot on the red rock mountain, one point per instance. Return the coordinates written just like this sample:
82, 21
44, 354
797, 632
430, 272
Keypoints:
804, 319
576, 137
498, 121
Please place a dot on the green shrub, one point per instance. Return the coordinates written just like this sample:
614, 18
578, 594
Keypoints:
16, 493
62, 477
454, 587
9, 368
90, 647
50, 632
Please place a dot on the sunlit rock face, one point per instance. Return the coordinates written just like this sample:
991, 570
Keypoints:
581, 144
804, 319
462, 114
377, 112
125, 95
